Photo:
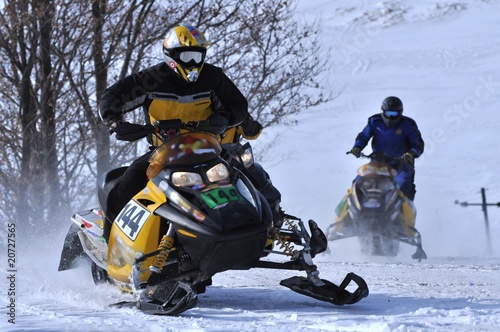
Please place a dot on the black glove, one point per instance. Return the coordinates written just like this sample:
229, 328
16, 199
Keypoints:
356, 152
113, 120
408, 158
215, 124
218, 120
131, 132
250, 127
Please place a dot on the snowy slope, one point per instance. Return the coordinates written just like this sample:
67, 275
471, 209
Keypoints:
441, 59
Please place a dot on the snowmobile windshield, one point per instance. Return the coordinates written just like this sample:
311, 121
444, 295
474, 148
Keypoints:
187, 149
379, 185
376, 169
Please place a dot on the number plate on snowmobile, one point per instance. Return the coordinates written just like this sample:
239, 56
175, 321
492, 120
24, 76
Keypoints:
220, 196
132, 218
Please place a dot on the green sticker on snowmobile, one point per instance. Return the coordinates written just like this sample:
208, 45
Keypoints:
340, 207
220, 196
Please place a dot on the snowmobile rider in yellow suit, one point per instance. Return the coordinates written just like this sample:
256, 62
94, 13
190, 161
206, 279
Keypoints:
181, 87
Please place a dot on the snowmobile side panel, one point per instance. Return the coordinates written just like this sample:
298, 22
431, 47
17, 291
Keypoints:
409, 215
135, 230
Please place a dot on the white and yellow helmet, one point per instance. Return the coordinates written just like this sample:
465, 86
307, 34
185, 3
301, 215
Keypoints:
184, 50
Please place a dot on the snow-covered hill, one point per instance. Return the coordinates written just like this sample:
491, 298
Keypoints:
441, 58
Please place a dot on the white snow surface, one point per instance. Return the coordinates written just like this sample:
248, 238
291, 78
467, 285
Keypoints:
441, 58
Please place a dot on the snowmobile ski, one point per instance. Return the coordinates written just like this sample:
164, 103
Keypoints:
183, 297
329, 292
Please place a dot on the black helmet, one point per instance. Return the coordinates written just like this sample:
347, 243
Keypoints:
392, 110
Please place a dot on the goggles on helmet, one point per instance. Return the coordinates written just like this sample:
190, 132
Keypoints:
189, 57
390, 114
195, 56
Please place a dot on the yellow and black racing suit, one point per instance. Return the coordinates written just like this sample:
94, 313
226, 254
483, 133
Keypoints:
164, 96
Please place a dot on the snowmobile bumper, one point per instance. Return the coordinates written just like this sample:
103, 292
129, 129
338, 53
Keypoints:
328, 291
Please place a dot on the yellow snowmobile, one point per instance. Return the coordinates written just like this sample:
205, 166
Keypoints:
377, 212
198, 215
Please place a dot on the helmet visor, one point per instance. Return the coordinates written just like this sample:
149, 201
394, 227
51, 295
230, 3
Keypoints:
390, 114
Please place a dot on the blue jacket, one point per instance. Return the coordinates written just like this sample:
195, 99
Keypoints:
393, 141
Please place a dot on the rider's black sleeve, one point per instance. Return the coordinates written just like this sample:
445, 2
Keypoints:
159, 82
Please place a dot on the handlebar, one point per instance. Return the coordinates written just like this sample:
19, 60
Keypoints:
362, 155
379, 156
131, 132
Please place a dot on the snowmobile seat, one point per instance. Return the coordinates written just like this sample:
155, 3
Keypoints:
106, 182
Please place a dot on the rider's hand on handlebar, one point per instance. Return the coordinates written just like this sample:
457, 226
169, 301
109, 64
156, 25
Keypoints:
218, 120
408, 158
356, 152
112, 121
250, 127
215, 124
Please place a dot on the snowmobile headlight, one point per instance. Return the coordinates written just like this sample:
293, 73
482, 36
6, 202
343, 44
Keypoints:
217, 173
247, 157
186, 179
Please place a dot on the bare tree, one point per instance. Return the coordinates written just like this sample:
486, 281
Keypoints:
58, 56
273, 58
30, 70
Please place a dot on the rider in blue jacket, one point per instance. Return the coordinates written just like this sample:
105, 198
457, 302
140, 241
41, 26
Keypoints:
398, 137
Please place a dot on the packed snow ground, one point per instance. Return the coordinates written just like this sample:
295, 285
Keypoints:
441, 59
443, 294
